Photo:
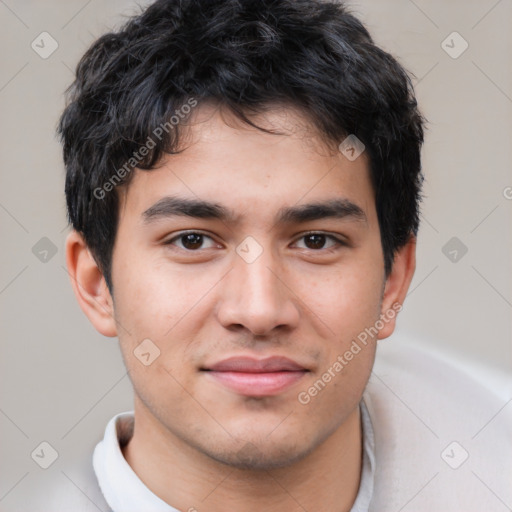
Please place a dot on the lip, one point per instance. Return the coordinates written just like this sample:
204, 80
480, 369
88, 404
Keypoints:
256, 377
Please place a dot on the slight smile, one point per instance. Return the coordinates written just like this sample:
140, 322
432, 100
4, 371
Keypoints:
256, 377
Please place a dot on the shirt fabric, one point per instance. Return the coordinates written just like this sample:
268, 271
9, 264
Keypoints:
125, 492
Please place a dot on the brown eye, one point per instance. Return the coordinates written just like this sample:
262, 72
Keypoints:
192, 241
318, 241
315, 241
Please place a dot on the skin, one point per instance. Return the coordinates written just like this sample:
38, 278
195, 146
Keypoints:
197, 444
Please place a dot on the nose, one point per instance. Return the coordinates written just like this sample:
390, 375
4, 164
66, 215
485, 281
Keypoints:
256, 296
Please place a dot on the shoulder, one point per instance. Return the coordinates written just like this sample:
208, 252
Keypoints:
442, 435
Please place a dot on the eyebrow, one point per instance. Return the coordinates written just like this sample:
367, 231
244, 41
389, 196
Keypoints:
172, 206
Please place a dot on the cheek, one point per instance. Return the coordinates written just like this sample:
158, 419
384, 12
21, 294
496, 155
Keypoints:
151, 298
347, 300
169, 307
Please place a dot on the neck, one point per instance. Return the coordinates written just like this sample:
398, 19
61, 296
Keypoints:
326, 479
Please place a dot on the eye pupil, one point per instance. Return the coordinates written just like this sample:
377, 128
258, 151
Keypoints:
318, 241
192, 240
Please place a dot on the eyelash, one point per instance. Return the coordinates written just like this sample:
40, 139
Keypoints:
338, 241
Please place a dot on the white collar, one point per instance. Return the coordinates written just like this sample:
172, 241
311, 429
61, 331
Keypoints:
122, 488
124, 491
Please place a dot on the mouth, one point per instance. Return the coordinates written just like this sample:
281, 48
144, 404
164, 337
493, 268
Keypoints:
256, 377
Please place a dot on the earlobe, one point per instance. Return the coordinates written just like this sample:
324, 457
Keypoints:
89, 285
396, 286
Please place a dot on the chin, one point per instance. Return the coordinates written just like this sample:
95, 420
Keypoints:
261, 455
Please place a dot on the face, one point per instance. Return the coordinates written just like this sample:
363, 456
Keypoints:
249, 296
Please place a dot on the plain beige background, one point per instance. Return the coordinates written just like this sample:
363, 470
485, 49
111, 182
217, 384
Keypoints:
61, 381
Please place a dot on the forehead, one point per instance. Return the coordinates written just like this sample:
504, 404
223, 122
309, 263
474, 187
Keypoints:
244, 169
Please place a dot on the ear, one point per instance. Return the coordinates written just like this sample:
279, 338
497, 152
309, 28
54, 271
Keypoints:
89, 285
396, 286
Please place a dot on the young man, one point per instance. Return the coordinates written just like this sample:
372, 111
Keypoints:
243, 181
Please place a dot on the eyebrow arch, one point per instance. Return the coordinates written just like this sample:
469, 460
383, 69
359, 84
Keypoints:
333, 208
171, 206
